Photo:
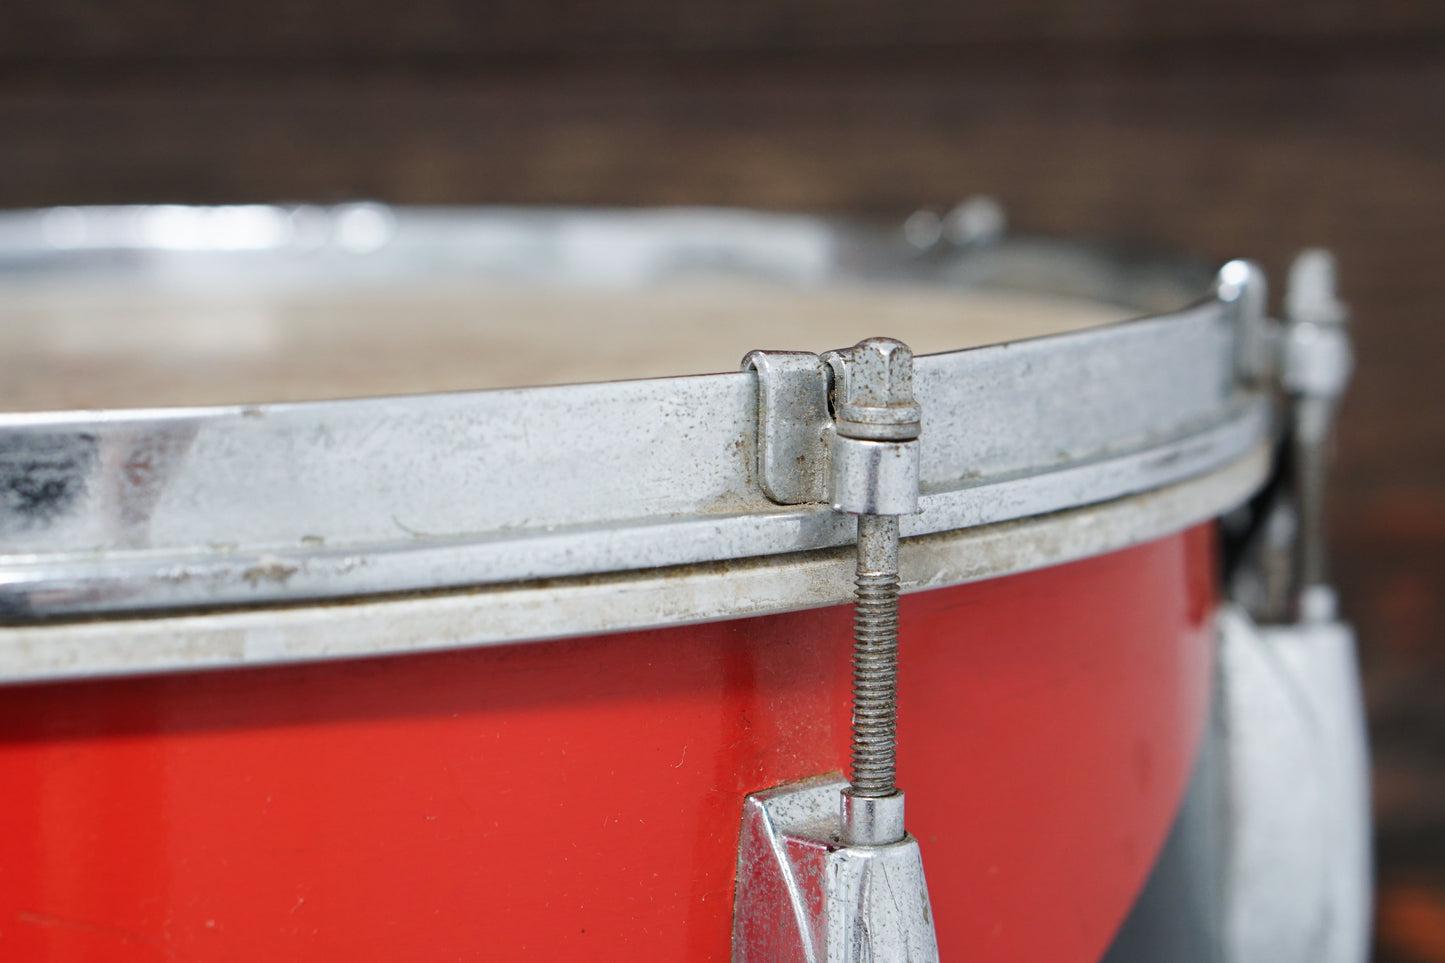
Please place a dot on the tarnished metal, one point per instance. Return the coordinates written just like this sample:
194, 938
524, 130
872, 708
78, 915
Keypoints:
132, 510
875, 476
875, 658
876, 421
802, 897
872, 820
793, 425
873, 391
564, 608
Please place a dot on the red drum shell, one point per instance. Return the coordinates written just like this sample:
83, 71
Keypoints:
581, 799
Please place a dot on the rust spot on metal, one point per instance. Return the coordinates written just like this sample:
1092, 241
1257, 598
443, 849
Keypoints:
270, 569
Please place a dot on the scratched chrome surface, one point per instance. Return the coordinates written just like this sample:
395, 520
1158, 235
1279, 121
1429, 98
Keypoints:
129, 510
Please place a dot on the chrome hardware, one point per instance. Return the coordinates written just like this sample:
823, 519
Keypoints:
1315, 367
875, 476
827, 870
1308, 357
862, 457
793, 425
1242, 285
803, 897
976, 222
875, 666
239, 506
1292, 678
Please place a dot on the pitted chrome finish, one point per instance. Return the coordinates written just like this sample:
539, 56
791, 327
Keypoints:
123, 511
873, 391
565, 608
875, 476
793, 425
872, 820
875, 657
803, 898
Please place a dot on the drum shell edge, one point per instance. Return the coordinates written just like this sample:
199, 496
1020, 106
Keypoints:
582, 798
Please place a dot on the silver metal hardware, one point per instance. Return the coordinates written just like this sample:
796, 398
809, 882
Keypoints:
875, 476
871, 820
1242, 285
565, 608
1316, 367
124, 511
1286, 578
1289, 675
977, 221
803, 897
923, 229
793, 425
843, 882
862, 456
875, 677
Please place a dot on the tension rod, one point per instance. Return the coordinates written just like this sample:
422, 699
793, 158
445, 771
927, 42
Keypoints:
874, 475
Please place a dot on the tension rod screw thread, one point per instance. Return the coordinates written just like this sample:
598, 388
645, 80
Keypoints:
875, 671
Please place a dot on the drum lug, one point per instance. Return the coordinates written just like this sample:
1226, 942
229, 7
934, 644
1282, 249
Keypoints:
859, 453
1284, 577
826, 869
804, 896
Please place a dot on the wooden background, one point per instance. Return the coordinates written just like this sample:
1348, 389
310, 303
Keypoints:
1229, 127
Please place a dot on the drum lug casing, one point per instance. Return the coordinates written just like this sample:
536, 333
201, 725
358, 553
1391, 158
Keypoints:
826, 868
804, 896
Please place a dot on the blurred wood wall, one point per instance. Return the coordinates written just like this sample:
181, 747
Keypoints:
1230, 127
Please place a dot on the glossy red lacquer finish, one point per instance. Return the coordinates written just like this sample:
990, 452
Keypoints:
582, 799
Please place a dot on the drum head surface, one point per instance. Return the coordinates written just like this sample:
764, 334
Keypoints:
97, 340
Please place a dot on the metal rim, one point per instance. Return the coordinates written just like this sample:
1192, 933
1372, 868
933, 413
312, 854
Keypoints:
388, 495
607, 603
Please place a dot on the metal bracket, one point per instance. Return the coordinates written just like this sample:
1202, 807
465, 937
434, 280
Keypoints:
827, 870
1243, 285
866, 461
794, 425
802, 897
1285, 579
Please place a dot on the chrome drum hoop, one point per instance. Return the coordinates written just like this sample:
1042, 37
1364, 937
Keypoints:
286, 503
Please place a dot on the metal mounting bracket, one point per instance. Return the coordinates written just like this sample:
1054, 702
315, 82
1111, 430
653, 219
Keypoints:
826, 868
1282, 578
804, 897
794, 425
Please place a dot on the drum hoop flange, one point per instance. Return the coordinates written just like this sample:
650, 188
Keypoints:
127, 511
589, 605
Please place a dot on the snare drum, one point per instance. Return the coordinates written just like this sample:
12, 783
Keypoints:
401, 584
